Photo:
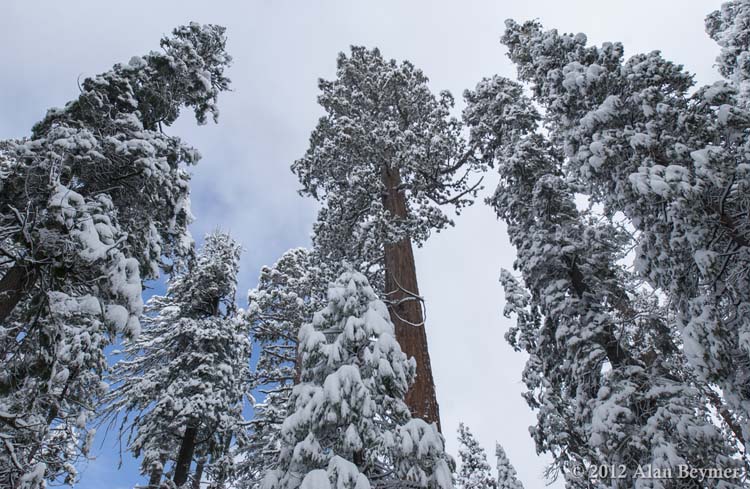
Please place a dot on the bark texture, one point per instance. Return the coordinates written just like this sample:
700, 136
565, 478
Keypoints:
405, 307
14, 286
185, 455
198, 474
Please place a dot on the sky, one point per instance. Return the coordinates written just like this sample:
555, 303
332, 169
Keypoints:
243, 184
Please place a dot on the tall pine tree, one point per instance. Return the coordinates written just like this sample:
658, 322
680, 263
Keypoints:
605, 372
287, 295
382, 161
180, 389
672, 161
95, 201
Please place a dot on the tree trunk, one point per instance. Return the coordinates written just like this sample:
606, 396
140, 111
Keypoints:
298, 366
14, 286
185, 455
198, 473
405, 307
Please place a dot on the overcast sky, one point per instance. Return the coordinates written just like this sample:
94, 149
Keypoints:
244, 185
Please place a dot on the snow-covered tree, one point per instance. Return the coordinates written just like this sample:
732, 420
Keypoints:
728, 26
179, 390
673, 162
475, 471
605, 372
348, 424
110, 142
91, 204
382, 161
287, 296
506, 473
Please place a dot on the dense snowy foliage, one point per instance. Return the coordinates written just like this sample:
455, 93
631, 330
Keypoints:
383, 130
626, 193
674, 164
183, 379
506, 473
90, 205
384, 160
605, 373
475, 471
287, 296
348, 425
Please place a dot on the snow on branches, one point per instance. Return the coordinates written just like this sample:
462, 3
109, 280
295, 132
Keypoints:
92, 203
605, 372
475, 471
287, 295
674, 164
384, 130
348, 425
506, 473
186, 375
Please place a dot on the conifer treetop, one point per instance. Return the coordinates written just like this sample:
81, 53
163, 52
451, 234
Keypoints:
348, 424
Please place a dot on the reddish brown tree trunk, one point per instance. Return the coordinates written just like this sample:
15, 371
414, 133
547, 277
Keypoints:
14, 286
405, 307
185, 455
198, 474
